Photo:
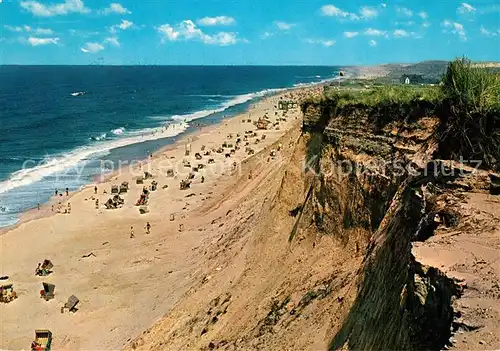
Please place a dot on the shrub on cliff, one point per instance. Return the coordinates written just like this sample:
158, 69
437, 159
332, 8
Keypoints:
471, 126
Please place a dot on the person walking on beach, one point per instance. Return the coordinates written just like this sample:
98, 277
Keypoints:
95, 190
67, 192
148, 228
132, 232
56, 192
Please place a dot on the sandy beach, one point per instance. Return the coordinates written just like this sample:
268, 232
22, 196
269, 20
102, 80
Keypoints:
126, 283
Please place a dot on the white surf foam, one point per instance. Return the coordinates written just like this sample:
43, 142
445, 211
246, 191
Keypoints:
58, 164
118, 131
236, 100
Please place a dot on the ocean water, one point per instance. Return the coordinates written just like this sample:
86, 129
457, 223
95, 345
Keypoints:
58, 122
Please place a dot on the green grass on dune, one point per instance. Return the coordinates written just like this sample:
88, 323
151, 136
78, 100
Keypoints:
384, 95
467, 101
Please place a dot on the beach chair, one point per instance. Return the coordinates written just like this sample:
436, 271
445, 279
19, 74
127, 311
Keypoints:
114, 189
185, 184
71, 304
139, 180
43, 340
110, 204
7, 293
48, 291
45, 268
123, 187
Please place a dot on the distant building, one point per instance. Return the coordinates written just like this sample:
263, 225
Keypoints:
412, 79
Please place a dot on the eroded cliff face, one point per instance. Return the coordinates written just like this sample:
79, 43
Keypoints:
381, 182
315, 250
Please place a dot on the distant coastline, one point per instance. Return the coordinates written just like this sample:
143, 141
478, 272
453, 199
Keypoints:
121, 144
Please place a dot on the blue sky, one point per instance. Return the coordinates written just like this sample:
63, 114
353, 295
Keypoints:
261, 32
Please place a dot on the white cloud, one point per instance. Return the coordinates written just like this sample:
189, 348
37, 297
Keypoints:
372, 43
214, 21
82, 33
426, 24
368, 12
327, 43
43, 31
168, 32
13, 29
221, 38
331, 10
28, 29
375, 32
112, 41
399, 33
187, 30
283, 25
365, 12
423, 15
351, 34
465, 8
405, 11
334, 11
405, 23
266, 35
124, 25
41, 10
489, 33
117, 8
455, 28
42, 41
92, 48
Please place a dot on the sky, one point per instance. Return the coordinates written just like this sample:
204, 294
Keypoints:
246, 32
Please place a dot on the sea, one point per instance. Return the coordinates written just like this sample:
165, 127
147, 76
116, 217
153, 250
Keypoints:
57, 123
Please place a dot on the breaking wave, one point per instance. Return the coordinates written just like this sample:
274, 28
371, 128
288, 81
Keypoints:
35, 170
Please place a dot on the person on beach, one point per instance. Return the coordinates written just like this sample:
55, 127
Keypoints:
67, 192
132, 232
38, 206
56, 192
148, 228
95, 190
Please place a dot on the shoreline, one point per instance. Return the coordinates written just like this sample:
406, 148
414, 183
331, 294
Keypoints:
131, 278
183, 138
